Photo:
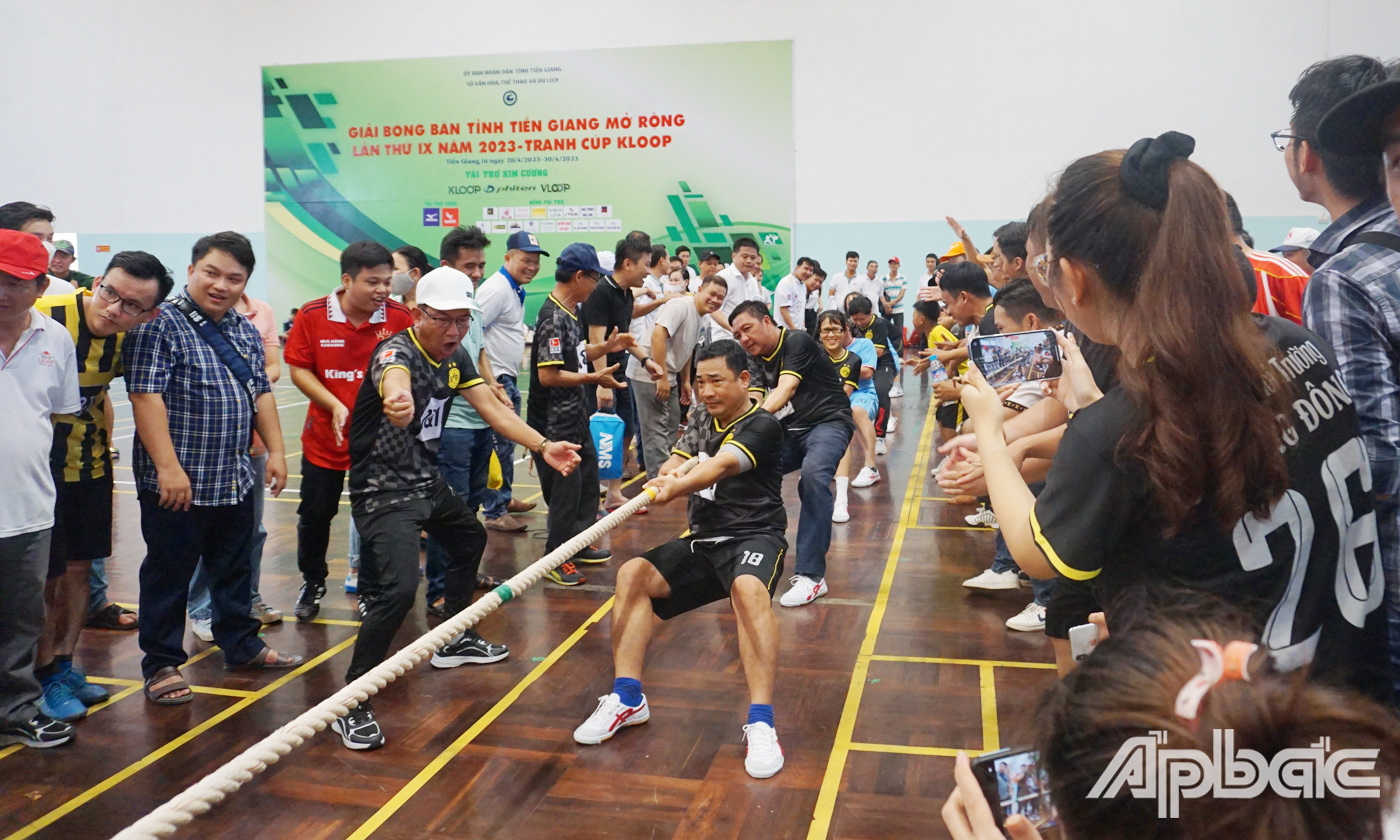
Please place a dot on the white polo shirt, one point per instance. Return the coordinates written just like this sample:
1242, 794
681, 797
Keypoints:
871, 287
836, 290
740, 290
38, 379
792, 296
502, 319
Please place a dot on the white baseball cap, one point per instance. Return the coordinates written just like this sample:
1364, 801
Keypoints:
608, 260
447, 290
1298, 239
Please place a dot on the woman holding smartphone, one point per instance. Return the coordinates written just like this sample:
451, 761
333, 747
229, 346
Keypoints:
1225, 459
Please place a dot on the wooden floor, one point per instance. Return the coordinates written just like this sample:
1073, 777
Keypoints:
880, 683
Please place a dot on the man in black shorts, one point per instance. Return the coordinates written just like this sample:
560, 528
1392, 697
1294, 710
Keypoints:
396, 491
734, 550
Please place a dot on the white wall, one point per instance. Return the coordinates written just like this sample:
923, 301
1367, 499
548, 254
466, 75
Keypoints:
905, 110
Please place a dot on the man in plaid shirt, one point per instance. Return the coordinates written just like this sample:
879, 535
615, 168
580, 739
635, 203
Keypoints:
1353, 298
194, 424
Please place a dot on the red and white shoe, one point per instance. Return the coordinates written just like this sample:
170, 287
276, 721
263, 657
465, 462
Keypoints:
803, 592
765, 756
610, 716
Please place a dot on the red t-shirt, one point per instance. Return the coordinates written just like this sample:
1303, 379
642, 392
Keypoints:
1281, 285
325, 343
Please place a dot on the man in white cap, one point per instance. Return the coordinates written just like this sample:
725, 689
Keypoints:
1295, 247
397, 492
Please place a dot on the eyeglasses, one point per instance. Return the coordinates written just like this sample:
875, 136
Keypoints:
1042, 267
129, 307
463, 323
1281, 139
830, 331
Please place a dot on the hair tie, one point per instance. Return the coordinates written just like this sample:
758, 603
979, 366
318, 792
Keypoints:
1228, 663
1146, 166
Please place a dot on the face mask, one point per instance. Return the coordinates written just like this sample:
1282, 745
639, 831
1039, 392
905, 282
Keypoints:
403, 284
48, 246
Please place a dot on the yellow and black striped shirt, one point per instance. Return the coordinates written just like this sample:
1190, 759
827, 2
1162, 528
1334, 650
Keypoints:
80, 441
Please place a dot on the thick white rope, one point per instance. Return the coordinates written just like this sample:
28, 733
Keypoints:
199, 797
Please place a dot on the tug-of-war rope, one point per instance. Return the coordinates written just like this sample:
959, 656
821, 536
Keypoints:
199, 797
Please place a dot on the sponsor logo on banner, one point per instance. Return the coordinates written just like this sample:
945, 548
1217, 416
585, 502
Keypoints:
564, 226
450, 217
484, 226
613, 224
506, 213
432, 216
539, 212
547, 226
605, 210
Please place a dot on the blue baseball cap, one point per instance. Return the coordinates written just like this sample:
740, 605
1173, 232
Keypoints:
523, 240
579, 256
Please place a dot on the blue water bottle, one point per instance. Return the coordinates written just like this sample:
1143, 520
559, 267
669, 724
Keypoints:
607, 431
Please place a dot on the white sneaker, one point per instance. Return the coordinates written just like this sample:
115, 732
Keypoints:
765, 756
610, 716
894, 422
867, 477
840, 513
896, 391
203, 630
803, 592
880, 446
994, 580
1029, 620
984, 517
933, 473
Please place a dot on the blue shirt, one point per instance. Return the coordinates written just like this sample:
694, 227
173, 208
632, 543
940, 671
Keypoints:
1353, 301
210, 416
865, 349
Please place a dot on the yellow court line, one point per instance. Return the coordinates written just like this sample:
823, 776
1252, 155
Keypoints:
836, 762
901, 749
939, 660
991, 731
184, 738
437, 764
952, 528
197, 689
14, 748
338, 622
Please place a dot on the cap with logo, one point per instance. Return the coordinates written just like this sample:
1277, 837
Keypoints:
1298, 239
894, 260
956, 251
22, 255
1356, 125
608, 260
579, 256
710, 255
65, 246
523, 240
447, 290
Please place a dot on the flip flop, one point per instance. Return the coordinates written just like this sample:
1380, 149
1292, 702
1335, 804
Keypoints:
486, 582
261, 662
166, 681
109, 618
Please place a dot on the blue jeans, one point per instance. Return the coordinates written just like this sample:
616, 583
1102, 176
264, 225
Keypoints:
495, 501
464, 460
97, 585
816, 452
200, 601
1003, 562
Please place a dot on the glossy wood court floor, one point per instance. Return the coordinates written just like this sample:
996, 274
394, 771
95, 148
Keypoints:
879, 684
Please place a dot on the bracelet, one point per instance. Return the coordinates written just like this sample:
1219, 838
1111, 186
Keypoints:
544, 441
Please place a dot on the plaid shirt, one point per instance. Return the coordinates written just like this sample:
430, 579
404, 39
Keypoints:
1353, 301
211, 422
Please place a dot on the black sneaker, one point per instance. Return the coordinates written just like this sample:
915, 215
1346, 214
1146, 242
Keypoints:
309, 601
566, 574
469, 649
593, 555
39, 732
358, 730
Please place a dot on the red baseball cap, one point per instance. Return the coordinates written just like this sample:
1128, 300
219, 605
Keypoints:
22, 254
894, 260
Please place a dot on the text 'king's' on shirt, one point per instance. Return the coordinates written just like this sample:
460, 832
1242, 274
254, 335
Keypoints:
747, 503
388, 464
820, 397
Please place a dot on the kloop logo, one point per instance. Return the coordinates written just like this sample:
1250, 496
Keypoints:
1171, 775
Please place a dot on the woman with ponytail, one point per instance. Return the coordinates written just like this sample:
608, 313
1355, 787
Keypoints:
1226, 457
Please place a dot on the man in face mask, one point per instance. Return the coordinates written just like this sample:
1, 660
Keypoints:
327, 350
38, 221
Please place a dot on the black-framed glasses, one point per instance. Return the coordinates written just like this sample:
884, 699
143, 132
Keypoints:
129, 307
1281, 139
462, 323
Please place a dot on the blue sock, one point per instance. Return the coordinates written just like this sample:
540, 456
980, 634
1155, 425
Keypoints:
629, 690
761, 713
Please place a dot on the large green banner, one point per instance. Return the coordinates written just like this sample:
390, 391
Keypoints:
693, 144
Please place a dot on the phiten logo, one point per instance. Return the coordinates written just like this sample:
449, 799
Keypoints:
1148, 772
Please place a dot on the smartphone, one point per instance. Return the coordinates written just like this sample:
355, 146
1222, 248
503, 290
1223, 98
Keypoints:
1013, 358
1083, 638
1014, 783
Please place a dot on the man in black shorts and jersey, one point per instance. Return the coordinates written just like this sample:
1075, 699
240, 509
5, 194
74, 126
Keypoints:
734, 550
396, 491
806, 394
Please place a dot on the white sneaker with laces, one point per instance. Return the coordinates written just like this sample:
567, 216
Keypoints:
994, 580
866, 477
880, 446
894, 422
203, 630
803, 592
1029, 620
840, 513
610, 716
895, 391
983, 517
765, 755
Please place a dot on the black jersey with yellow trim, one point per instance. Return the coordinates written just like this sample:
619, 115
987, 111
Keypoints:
820, 397
847, 367
80, 450
750, 502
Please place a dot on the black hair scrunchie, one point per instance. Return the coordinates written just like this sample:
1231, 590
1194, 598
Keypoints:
1147, 166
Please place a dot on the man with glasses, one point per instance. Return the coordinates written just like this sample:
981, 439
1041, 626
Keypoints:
127, 294
396, 491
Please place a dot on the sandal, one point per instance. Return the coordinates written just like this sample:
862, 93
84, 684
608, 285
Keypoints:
438, 609
267, 660
167, 681
110, 618
486, 582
